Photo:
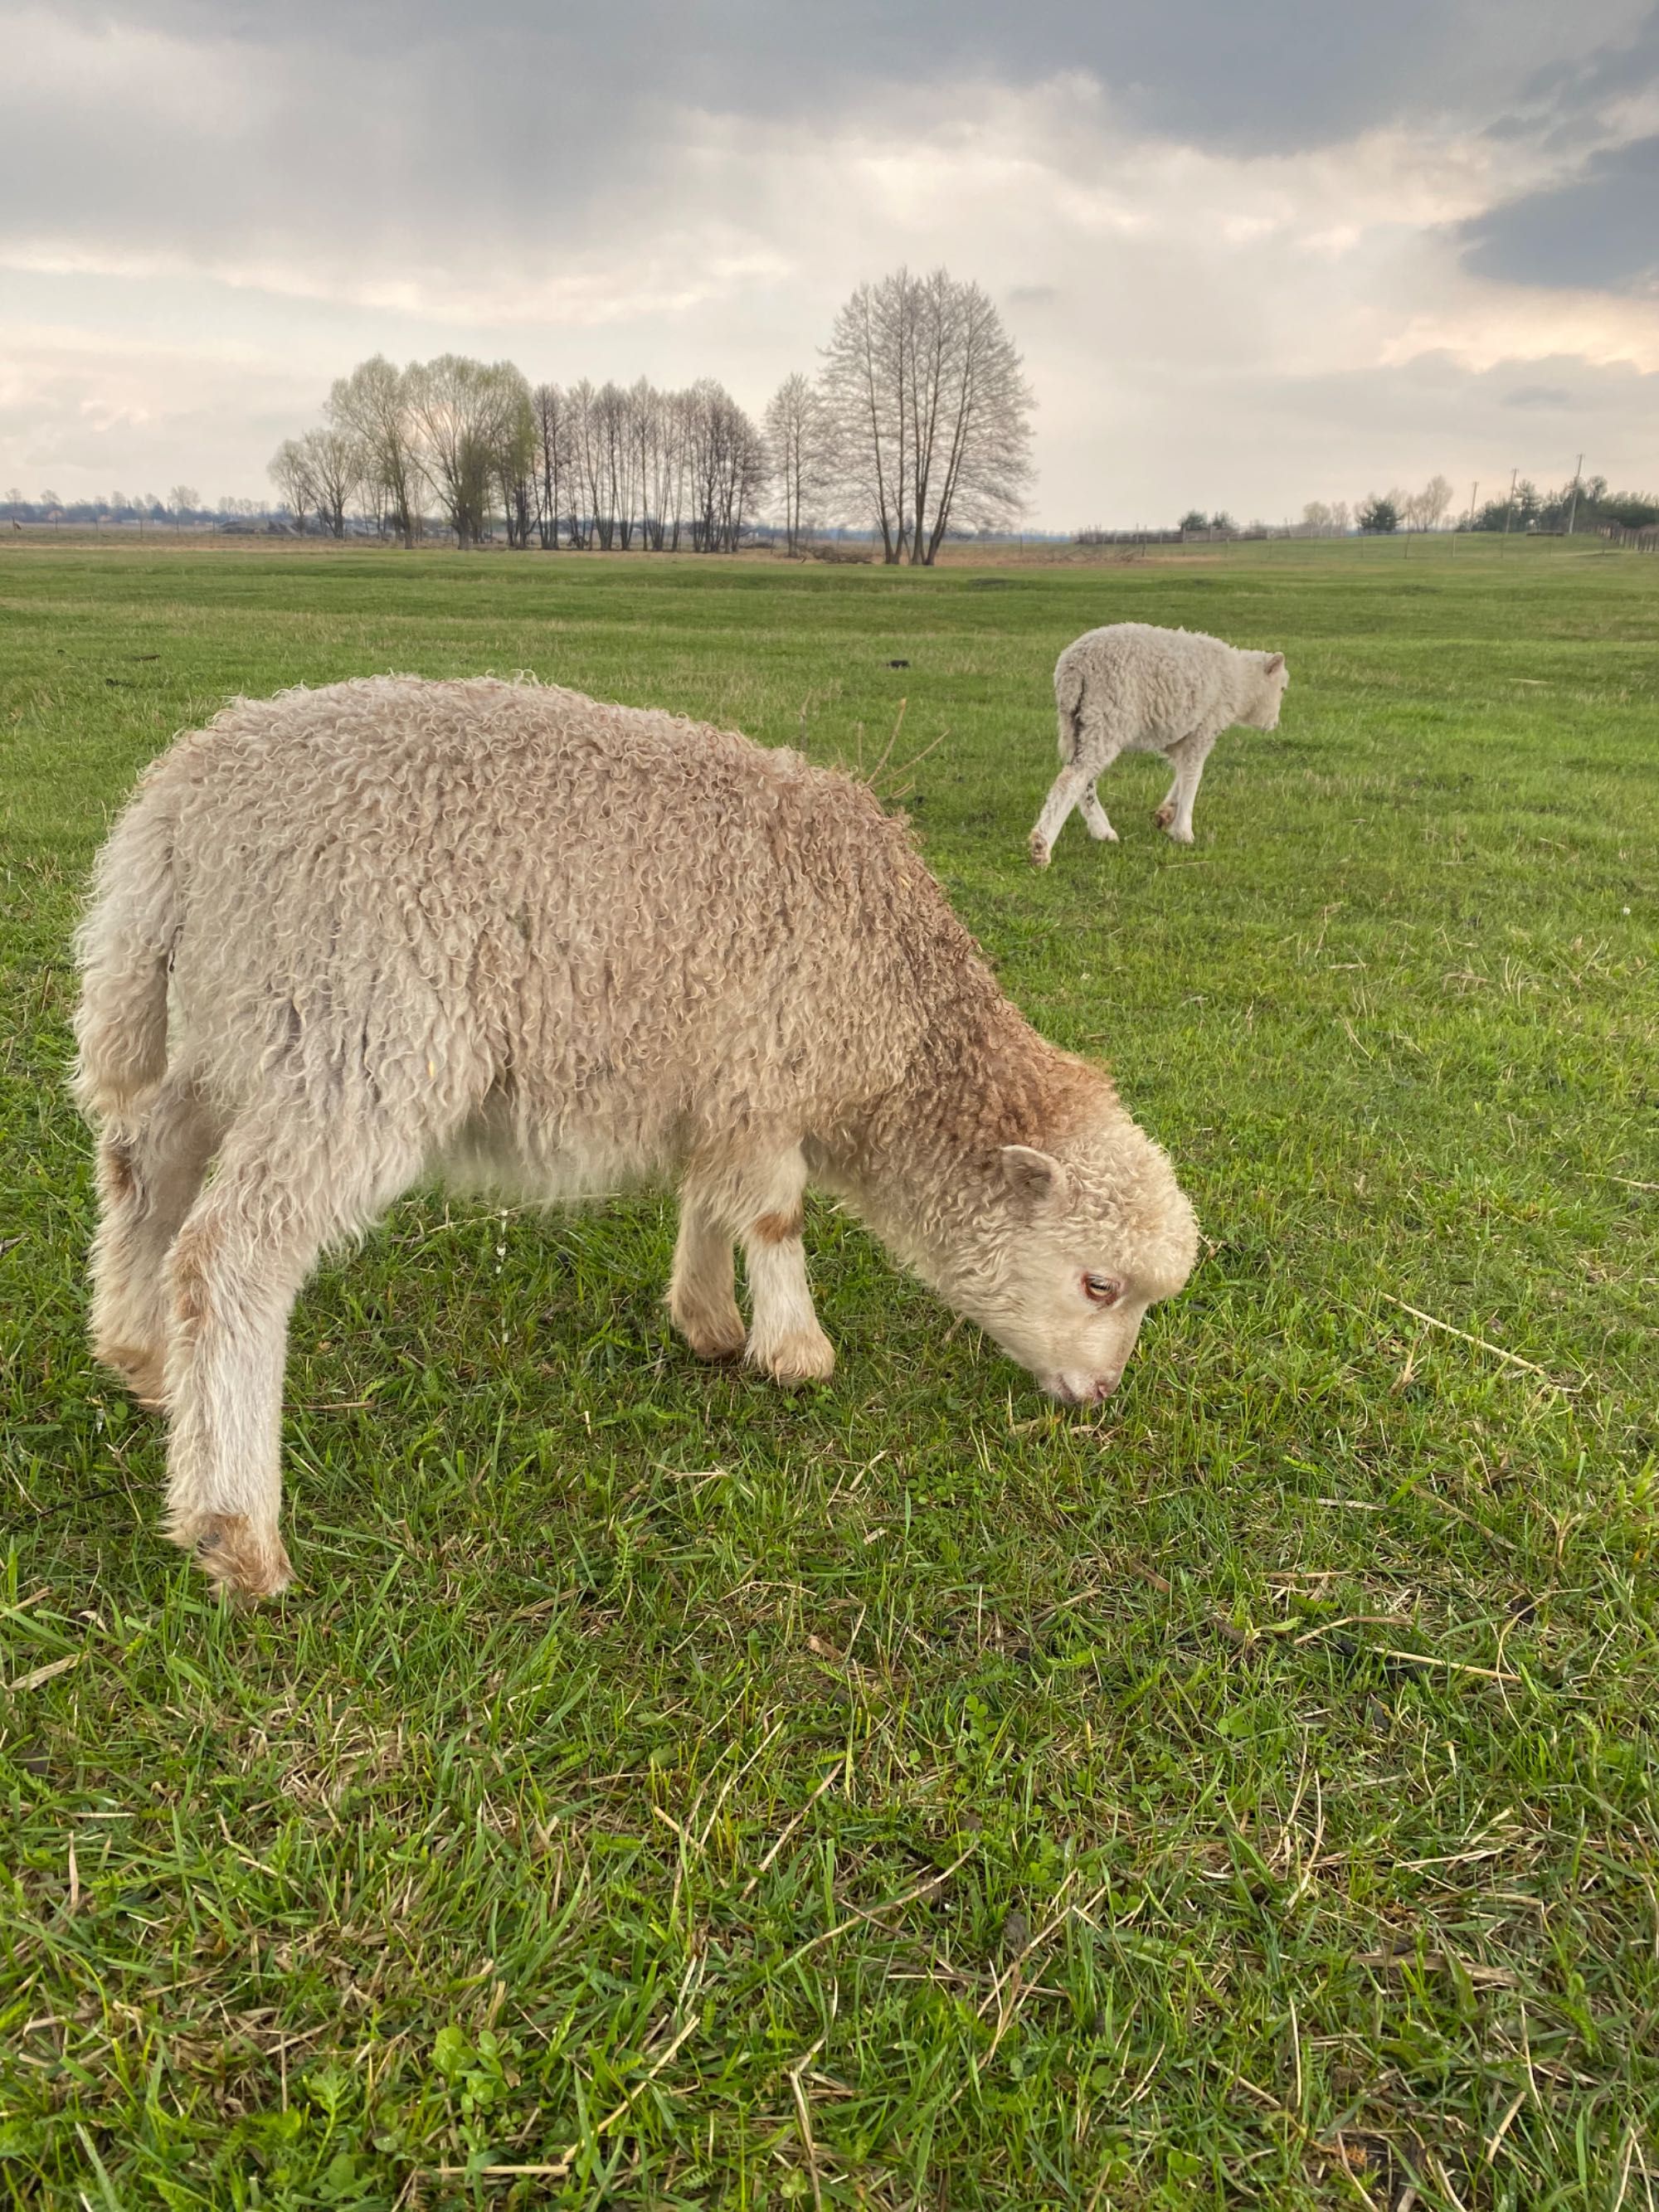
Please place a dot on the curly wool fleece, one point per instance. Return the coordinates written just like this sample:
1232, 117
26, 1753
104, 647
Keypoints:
345, 939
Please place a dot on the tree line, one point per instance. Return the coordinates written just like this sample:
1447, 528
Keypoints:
1582, 503
917, 422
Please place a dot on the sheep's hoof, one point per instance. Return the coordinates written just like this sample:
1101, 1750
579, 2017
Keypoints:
713, 1336
1038, 848
803, 1356
1106, 837
230, 1551
1179, 836
1163, 815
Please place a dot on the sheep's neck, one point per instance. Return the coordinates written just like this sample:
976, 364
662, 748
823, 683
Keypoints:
920, 1164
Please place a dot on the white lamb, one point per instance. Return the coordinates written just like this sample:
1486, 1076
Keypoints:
1133, 687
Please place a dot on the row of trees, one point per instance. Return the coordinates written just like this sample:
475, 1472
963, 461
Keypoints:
1581, 504
918, 422
183, 504
579, 464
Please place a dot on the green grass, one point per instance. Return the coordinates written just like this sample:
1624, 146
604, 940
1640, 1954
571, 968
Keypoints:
908, 1793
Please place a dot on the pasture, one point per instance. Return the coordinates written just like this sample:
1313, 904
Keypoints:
659, 1791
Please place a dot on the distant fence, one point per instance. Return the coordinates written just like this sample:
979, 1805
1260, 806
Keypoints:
1173, 537
1637, 541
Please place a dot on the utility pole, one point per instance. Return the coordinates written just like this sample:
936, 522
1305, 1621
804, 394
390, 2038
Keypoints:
1508, 510
1572, 509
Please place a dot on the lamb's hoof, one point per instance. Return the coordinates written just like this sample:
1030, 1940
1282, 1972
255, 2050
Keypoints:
803, 1356
1162, 816
1038, 848
144, 1373
1106, 837
1179, 836
712, 1336
230, 1551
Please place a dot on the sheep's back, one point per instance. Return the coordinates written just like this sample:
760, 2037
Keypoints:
1147, 682
412, 888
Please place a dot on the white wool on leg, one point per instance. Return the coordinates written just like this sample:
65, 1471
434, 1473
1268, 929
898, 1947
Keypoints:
702, 1301
1094, 816
1064, 794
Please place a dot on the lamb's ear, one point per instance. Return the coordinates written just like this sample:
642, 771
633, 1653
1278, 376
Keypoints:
1272, 665
1033, 1175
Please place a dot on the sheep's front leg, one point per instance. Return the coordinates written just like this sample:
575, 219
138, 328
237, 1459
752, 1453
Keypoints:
1175, 817
701, 1297
784, 1336
755, 1197
1067, 789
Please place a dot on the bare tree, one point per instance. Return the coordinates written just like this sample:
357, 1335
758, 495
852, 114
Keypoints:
333, 465
466, 414
553, 471
289, 469
930, 412
614, 450
515, 463
1433, 503
1315, 517
371, 406
797, 450
726, 466
675, 412
184, 499
588, 466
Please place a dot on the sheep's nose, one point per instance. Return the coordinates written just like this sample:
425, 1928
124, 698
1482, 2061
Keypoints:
1105, 1384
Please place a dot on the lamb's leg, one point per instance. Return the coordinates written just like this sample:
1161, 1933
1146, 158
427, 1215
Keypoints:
754, 1196
149, 1171
784, 1336
702, 1297
1165, 815
1067, 789
1175, 817
1094, 816
285, 1186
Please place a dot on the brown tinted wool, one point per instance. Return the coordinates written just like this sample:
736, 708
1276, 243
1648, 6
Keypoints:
503, 935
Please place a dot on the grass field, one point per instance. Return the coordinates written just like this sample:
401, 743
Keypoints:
661, 1792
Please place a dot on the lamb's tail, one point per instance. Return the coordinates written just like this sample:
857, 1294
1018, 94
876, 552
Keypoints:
1068, 698
124, 949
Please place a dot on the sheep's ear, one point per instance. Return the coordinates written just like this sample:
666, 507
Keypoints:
1033, 1175
1272, 664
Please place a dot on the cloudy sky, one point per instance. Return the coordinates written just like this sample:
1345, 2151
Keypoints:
1253, 251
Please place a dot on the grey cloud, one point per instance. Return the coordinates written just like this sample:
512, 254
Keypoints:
1598, 231
1277, 73
1538, 395
385, 133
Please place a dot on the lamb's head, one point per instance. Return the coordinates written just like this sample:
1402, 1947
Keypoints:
1073, 1246
1267, 692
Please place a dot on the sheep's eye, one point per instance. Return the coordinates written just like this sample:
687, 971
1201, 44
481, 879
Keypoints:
1102, 1290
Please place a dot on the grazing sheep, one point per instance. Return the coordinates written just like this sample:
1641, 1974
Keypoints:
1133, 687
344, 939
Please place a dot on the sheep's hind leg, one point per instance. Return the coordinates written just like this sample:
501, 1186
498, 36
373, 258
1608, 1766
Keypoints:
1064, 794
149, 1171
701, 1294
286, 1185
1094, 818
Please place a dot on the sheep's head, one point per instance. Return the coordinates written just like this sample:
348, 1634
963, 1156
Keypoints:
1073, 1250
1270, 691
